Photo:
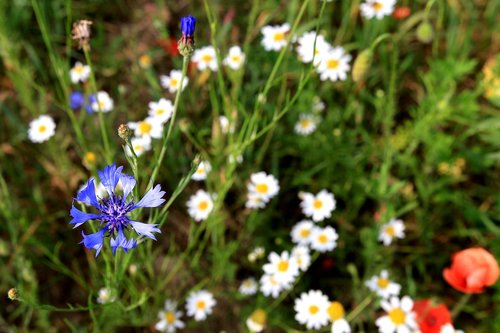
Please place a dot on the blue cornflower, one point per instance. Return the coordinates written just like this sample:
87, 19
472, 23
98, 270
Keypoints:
76, 100
188, 23
92, 99
113, 210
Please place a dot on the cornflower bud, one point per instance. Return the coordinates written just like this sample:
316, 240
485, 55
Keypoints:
186, 43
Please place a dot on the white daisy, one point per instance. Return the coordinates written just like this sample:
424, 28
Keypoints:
318, 104
301, 254
79, 72
336, 315
199, 304
448, 328
149, 127
274, 36
383, 286
161, 111
225, 126
400, 318
324, 239
172, 82
105, 296
202, 171
257, 321
248, 286
306, 49
235, 58
41, 129
263, 185
257, 253
200, 205
301, 232
284, 268
319, 206
311, 309
102, 102
377, 8
140, 144
394, 228
205, 58
306, 124
270, 286
169, 318
254, 201
334, 65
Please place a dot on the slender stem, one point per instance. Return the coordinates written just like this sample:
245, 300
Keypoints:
102, 125
166, 135
460, 305
358, 309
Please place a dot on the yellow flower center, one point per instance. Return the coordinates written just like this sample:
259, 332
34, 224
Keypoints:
335, 311
382, 283
203, 205
206, 58
279, 36
283, 266
323, 239
397, 316
160, 111
200, 305
377, 6
101, 105
138, 148
170, 317
304, 233
174, 82
262, 188
313, 309
235, 58
332, 64
317, 204
201, 170
304, 123
145, 127
144, 60
79, 69
42, 128
390, 231
90, 157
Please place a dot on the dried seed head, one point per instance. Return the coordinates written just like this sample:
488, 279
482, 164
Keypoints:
12, 294
81, 33
124, 132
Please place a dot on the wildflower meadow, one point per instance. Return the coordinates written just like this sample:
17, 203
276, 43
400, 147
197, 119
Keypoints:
250, 166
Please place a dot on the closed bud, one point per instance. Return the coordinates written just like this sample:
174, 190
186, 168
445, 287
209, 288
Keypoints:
257, 321
186, 43
425, 32
12, 294
362, 65
124, 132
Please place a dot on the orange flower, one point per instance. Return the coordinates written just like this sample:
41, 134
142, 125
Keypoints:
472, 270
400, 13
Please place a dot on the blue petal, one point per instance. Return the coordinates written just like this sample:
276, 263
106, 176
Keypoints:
122, 241
110, 177
145, 229
80, 217
88, 107
94, 241
87, 194
128, 183
153, 198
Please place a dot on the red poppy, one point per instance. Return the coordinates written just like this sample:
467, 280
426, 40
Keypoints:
169, 45
400, 13
471, 270
430, 318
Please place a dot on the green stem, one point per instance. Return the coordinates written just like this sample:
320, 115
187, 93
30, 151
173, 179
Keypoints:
460, 305
166, 136
358, 309
102, 125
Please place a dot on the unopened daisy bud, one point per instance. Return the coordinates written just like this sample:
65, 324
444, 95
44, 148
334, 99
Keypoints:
186, 43
362, 65
425, 32
12, 294
257, 321
124, 132
81, 33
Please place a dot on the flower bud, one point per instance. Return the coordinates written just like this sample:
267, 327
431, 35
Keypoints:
12, 294
124, 132
362, 65
425, 32
186, 43
257, 321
